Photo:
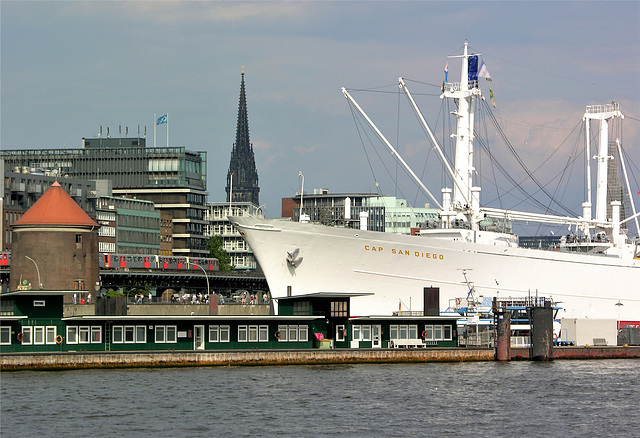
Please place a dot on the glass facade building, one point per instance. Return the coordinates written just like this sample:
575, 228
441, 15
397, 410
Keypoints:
173, 178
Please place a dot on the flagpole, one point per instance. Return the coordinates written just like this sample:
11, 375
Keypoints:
154, 129
167, 129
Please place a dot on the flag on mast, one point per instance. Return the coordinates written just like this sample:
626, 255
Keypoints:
446, 72
162, 120
483, 72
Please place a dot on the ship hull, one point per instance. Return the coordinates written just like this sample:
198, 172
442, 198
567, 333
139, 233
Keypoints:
300, 258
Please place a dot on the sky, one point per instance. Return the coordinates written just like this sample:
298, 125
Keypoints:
69, 67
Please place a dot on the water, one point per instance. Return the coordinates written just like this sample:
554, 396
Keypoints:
561, 398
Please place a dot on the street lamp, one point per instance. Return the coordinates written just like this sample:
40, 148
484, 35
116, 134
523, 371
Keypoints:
301, 194
37, 270
619, 304
205, 276
264, 212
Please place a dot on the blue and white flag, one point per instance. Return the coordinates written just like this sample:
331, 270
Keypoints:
446, 72
483, 72
161, 120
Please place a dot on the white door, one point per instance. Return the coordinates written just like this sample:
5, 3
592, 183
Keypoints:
376, 336
198, 337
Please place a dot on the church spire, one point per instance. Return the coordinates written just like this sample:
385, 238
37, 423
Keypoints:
242, 177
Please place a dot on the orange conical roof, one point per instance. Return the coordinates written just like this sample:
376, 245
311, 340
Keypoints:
55, 207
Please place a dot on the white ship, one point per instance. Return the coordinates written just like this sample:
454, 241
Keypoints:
593, 274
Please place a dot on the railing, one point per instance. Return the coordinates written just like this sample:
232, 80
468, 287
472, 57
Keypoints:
455, 86
520, 341
606, 108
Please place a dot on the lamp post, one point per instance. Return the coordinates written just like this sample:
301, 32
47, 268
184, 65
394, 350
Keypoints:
619, 304
301, 194
205, 276
262, 211
37, 270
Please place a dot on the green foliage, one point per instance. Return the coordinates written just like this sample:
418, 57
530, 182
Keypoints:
138, 288
217, 251
114, 293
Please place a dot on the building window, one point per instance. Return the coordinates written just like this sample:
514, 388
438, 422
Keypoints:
301, 308
96, 335
83, 333
253, 333
242, 333
263, 333
366, 332
5, 335
293, 333
117, 334
225, 332
26, 336
437, 332
38, 335
166, 334
339, 309
78, 241
340, 333
447, 332
6, 307
129, 332
51, 334
72, 335
355, 332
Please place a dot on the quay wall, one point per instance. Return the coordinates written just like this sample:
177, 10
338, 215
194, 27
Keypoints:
583, 353
60, 361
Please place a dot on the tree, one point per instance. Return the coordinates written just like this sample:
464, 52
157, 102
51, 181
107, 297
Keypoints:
217, 251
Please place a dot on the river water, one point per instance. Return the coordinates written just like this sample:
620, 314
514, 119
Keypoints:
560, 398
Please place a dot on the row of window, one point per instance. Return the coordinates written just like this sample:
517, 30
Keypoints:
106, 246
431, 332
138, 236
107, 231
163, 334
31, 335
405, 331
167, 334
105, 215
132, 221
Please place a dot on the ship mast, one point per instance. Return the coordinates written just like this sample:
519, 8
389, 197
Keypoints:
466, 198
602, 113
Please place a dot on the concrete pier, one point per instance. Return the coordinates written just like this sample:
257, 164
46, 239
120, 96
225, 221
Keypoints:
62, 361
